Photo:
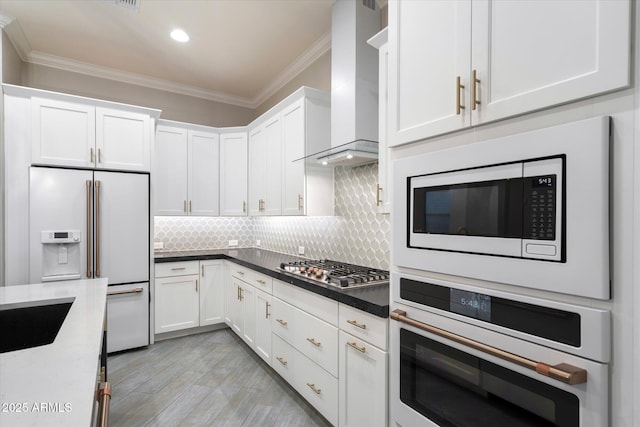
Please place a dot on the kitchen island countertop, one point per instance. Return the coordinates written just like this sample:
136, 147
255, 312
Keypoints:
372, 299
55, 384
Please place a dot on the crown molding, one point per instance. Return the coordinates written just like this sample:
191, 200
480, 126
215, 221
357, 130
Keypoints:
319, 48
13, 30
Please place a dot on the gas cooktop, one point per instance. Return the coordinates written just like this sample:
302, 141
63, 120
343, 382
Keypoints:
335, 273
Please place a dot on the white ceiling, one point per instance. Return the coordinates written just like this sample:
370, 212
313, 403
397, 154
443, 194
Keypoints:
241, 51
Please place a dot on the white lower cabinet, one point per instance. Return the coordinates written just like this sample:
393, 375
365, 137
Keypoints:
263, 325
188, 294
363, 383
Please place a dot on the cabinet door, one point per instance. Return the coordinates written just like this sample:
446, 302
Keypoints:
233, 174
237, 314
362, 383
230, 296
293, 145
383, 188
63, 133
530, 55
211, 293
171, 171
203, 177
123, 140
263, 325
247, 299
429, 48
257, 171
273, 173
176, 303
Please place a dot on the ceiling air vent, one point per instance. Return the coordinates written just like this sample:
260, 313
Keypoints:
128, 4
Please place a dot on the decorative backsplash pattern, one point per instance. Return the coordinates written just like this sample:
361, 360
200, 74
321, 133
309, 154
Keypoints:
357, 234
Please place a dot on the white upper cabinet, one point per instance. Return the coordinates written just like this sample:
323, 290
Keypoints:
186, 171
123, 140
293, 134
460, 63
257, 170
272, 201
233, 174
83, 135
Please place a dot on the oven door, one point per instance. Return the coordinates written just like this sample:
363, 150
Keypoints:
439, 380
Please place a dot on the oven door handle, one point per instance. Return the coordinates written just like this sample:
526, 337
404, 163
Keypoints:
562, 372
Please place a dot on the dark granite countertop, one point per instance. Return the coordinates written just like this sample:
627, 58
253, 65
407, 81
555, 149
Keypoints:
373, 299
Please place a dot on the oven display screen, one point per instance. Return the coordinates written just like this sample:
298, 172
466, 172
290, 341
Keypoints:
471, 304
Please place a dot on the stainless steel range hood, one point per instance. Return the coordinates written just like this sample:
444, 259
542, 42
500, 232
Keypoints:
354, 85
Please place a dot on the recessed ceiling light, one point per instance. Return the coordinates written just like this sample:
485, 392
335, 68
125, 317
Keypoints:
179, 36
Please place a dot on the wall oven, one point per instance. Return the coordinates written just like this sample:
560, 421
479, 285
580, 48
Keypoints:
466, 356
529, 209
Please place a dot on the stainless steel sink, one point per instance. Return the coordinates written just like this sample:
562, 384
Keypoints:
32, 324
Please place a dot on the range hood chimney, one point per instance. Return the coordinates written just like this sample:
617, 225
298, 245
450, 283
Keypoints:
354, 84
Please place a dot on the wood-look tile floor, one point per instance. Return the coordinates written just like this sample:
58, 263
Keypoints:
209, 379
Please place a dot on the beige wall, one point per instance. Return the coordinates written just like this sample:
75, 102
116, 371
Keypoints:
316, 75
12, 65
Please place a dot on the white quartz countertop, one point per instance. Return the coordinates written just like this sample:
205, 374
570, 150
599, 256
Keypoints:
54, 384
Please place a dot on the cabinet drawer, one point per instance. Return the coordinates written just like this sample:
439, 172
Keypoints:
318, 387
259, 281
183, 268
365, 326
317, 305
283, 321
283, 359
318, 340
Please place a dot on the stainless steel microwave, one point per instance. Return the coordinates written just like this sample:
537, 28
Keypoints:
512, 209
529, 209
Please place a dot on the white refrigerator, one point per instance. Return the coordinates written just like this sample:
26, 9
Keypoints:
89, 224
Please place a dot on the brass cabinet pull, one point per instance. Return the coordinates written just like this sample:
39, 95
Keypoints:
314, 342
99, 155
241, 294
474, 90
356, 324
202, 268
238, 293
459, 88
190, 206
178, 268
357, 347
240, 273
378, 191
196, 285
91, 154
262, 282
184, 206
281, 360
97, 236
314, 388
87, 237
130, 291
266, 310
563, 372
282, 322
300, 202
244, 207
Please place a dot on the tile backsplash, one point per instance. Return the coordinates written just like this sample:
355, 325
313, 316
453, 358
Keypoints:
357, 234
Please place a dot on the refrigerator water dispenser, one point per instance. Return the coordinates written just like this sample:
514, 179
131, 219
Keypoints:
60, 255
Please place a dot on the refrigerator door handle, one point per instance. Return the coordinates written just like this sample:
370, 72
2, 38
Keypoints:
88, 235
97, 236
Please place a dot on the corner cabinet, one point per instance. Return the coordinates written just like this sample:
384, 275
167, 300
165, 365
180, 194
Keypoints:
460, 63
188, 294
187, 170
281, 180
85, 135
233, 173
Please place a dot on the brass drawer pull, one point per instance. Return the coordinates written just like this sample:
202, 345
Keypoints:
563, 372
354, 345
314, 342
266, 310
356, 324
178, 268
262, 282
240, 273
130, 291
282, 322
313, 387
281, 360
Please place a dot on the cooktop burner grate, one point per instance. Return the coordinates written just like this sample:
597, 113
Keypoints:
336, 273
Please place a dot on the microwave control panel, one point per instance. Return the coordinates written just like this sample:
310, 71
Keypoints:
540, 207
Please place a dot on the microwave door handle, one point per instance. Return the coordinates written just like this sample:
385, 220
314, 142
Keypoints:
563, 372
